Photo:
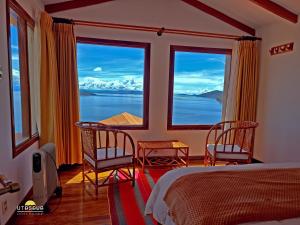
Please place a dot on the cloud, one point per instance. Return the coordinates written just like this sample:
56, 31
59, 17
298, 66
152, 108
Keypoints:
220, 60
14, 46
209, 73
197, 91
204, 77
191, 83
16, 79
198, 82
15, 57
94, 83
15, 73
97, 69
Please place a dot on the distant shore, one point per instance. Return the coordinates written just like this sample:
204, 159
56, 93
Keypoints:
217, 95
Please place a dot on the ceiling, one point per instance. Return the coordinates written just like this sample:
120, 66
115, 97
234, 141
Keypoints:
293, 5
242, 10
253, 15
51, 1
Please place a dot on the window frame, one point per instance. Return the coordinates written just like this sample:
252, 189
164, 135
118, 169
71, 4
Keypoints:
17, 8
173, 50
146, 81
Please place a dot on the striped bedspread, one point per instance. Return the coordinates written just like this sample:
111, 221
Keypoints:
234, 197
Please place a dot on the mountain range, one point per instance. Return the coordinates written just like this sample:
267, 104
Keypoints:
217, 95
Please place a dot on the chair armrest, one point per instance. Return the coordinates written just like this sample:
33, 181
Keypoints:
213, 128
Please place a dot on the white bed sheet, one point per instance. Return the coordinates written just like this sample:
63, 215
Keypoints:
157, 207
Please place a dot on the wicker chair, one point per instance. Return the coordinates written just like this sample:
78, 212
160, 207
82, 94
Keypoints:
230, 141
106, 149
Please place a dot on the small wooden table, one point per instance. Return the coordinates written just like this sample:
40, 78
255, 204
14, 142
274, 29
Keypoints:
179, 156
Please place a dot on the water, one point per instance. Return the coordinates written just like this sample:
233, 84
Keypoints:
17, 103
194, 110
187, 109
102, 106
17, 111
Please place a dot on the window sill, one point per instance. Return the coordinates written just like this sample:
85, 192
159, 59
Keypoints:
131, 127
24, 145
189, 127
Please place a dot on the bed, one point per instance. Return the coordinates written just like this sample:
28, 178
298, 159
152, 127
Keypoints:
158, 208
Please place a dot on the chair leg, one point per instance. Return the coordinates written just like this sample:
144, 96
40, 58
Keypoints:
213, 162
96, 183
83, 168
205, 159
133, 175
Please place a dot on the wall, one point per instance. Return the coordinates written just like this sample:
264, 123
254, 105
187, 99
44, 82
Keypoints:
159, 81
277, 138
19, 168
170, 14
278, 106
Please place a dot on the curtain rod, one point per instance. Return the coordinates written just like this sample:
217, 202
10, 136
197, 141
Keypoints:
248, 38
158, 30
62, 20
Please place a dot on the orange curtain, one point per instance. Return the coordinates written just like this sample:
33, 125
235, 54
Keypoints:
247, 80
59, 91
241, 84
48, 81
68, 91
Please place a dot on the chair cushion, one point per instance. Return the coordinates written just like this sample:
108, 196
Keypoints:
236, 154
111, 161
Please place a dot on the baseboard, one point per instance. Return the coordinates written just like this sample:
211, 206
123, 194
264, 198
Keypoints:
196, 157
256, 161
66, 167
12, 219
201, 157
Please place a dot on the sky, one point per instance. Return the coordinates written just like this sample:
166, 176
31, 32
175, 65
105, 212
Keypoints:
109, 67
104, 67
15, 57
121, 68
197, 73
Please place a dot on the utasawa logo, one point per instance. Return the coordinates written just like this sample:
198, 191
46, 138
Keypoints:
30, 207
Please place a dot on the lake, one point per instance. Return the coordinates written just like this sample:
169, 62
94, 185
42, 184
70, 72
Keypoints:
187, 109
102, 105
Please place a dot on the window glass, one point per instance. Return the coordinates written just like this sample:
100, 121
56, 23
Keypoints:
20, 39
21, 131
32, 80
111, 83
198, 86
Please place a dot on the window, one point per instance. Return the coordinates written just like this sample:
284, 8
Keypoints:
114, 82
196, 86
20, 39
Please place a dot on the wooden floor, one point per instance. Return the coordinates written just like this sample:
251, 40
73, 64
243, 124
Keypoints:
78, 205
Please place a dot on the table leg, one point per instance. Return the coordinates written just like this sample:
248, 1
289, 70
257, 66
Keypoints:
138, 155
143, 166
187, 157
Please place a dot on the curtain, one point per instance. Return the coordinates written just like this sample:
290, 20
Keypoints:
68, 91
59, 90
229, 87
48, 81
247, 85
241, 85
35, 83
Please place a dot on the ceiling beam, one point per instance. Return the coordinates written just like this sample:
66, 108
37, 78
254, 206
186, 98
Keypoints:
221, 16
73, 4
277, 9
